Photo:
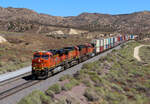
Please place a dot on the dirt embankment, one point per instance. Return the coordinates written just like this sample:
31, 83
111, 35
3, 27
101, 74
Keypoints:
136, 52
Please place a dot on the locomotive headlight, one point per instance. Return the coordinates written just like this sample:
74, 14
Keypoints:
33, 68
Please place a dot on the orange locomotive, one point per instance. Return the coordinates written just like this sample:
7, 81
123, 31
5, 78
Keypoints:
52, 61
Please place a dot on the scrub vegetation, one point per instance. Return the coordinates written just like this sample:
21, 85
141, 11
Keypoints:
144, 53
117, 78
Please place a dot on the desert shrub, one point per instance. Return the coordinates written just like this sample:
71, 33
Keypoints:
67, 86
74, 82
91, 95
70, 85
36, 97
50, 93
141, 99
87, 83
115, 97
117, 88
87, 66
2, 63
95, 78
91, 66
56, 88
65, 77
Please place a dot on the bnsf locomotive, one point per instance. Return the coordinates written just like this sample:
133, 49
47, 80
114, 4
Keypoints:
52, 61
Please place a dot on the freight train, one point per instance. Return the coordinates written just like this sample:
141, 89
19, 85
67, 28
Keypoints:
48, 62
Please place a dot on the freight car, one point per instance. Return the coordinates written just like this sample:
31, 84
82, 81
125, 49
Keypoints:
53, 61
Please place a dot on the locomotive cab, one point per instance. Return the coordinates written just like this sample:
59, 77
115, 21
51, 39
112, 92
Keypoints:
41, 63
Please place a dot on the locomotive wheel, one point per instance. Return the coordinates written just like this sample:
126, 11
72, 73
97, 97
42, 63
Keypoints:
34, 77
51, 72
80, 60
67, 66
46, 74
63, 68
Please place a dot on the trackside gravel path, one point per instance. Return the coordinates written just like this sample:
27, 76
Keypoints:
136, 52
10, 75
44, 85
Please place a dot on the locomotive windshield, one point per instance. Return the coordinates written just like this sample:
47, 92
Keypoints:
45, 56
36, 56
41, 56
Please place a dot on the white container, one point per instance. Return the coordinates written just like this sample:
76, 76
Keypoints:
133, 37
116, 40
97, 44
105, 42
101, 42
97, 49
126, 37
104, 47
112, 39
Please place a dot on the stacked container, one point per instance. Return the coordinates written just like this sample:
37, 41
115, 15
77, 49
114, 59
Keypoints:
110, 42
131, 36
97, 45
113, 43
121, 39
126, 37
101, 45
105, 43
116, 41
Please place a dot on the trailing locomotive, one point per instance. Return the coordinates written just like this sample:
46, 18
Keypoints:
52, 61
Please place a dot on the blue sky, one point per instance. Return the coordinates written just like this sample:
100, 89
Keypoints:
75, 7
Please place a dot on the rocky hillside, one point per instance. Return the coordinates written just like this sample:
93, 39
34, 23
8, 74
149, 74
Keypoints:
21, 19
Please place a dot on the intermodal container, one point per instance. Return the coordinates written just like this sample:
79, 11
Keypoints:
132, 36
101, 45
107, 46
105, 43
126, 37
121, 38
112, 42
97, 46
118, 39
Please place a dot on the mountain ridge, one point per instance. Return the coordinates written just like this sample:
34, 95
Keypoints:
22, 20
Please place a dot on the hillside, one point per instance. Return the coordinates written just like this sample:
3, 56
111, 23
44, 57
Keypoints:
117, 78
25, 20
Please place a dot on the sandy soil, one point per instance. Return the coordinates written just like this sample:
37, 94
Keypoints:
76, 93
2, 39
136, 52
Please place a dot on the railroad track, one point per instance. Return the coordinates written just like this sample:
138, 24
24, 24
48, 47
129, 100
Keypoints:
14, 79
17, 88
